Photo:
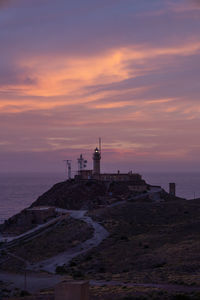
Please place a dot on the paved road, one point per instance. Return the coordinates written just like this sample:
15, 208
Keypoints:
100, 233
40, 281
31, 282
31, 234
35, 282
154, 193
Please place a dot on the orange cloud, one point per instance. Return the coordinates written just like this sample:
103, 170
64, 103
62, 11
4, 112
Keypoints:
65, 75
65, 80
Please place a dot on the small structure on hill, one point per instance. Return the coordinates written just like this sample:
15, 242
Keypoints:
72, 290
40, 214
172, 189
27, 220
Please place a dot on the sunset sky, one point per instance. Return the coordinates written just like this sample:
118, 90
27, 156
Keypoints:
125, 70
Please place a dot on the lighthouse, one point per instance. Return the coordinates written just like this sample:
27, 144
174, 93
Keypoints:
97, 159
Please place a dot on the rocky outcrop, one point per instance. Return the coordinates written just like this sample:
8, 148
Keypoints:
74, 195
85, 194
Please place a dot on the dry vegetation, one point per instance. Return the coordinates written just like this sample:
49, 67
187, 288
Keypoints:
138, 293
148, 242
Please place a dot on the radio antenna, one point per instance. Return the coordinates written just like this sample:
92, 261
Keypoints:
100, 145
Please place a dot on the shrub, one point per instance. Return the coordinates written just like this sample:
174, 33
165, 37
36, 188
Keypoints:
124, 238
89, 257
72, 264
24, 293
77, 274
60, 270
181, 297
102, 270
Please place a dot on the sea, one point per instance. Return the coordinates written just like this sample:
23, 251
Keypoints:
19, 190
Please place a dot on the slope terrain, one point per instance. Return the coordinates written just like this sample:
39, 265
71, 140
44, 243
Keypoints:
148, 242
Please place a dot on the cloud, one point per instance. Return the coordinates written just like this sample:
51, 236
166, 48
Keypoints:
72, 71
67, 80
197, 2
4, 3
185, 6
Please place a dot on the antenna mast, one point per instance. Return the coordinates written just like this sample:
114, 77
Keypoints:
69, 168
82, 163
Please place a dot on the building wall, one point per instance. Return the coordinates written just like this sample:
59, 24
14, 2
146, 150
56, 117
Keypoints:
172, 188
136, 179
121, 177
138, 188
39, 216
85, 174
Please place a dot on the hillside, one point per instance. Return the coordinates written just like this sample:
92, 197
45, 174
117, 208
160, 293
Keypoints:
148, 243
67, 234
77, 195
87, 194
73, 195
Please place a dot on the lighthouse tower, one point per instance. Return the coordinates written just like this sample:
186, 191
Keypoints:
97, 159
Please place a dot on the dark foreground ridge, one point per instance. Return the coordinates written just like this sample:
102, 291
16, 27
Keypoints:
151, 240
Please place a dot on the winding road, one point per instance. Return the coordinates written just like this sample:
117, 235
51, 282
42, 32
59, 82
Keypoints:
36, 280
100, 233
49, 265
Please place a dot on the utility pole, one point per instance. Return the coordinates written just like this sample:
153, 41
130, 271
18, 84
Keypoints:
25, 268
25, 279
